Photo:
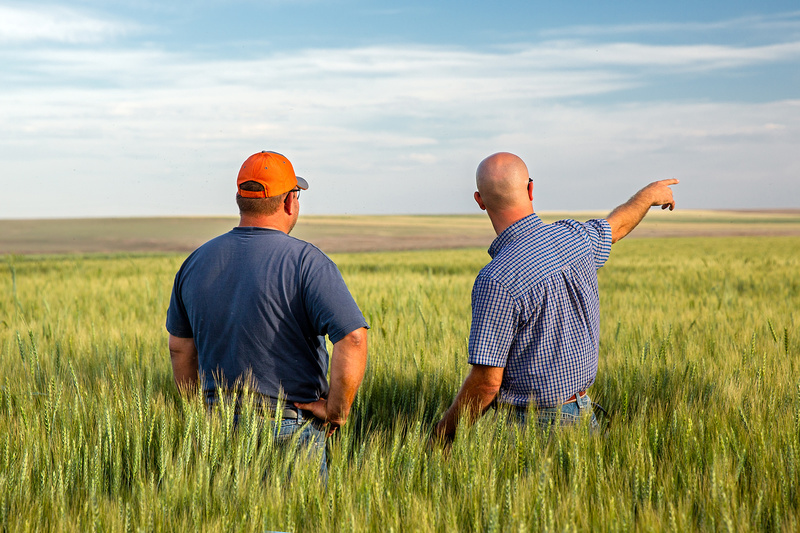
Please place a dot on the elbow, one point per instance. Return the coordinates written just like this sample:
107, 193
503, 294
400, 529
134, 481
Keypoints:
489, 391
357, 338
175, 355
618, 232
180, 347
486, 382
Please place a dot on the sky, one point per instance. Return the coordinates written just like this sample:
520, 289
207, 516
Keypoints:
149, 107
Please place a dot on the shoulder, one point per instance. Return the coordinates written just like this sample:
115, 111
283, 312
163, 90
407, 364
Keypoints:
272, 241
311, 264
495, 278
568, 226
596, 225
307, 252
572, 232
592, 237
206, 249
489, 282
212, 245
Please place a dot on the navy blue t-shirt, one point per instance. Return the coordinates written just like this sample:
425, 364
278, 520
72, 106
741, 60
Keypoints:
256, 299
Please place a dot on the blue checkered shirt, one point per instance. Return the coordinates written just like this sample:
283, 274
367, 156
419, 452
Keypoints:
536, 309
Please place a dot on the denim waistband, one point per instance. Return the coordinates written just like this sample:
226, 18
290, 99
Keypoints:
288, 410
572, 399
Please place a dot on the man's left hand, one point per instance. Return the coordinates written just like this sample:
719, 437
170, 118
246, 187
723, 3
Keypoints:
320, 410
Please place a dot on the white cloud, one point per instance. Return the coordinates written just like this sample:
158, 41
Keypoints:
380, 129
576, 54
23, 24
774, 22
544, 70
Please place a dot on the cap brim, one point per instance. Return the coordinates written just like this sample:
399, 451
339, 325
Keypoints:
303, 184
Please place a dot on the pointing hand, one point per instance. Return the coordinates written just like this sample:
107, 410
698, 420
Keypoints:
659, 193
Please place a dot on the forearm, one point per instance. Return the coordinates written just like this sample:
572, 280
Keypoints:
183, 355
627, 216
348, 364
475, 396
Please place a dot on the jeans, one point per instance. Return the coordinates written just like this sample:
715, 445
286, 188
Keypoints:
568, 414
308, 430
310, 434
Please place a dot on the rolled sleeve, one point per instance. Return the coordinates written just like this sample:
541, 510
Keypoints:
494, 323
599, 232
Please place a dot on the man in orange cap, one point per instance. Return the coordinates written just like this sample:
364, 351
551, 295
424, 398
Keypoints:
252, 308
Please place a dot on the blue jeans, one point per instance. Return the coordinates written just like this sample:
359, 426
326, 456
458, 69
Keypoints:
310, 434
568, 414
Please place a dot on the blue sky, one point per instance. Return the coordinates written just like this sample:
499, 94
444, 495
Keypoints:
145, 107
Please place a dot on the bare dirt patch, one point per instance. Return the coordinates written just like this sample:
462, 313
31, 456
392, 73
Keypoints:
355, 233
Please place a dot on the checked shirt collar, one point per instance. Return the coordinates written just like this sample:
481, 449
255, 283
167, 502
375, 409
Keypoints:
519, 228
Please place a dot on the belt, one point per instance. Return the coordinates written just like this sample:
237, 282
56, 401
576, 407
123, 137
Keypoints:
271, 404
574, 397
290, 411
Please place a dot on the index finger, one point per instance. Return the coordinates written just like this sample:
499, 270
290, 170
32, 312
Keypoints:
670, 181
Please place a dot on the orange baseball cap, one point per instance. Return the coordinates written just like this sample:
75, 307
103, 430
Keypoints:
273, 171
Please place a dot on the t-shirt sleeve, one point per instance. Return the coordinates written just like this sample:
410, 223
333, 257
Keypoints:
177, 319
494, 323
329, 304
599, 232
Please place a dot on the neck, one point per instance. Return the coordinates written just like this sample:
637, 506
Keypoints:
260, 221
502, 220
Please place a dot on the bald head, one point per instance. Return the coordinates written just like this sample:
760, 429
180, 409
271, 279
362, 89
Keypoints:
502, 181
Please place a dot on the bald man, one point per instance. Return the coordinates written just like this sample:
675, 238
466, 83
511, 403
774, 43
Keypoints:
534, 338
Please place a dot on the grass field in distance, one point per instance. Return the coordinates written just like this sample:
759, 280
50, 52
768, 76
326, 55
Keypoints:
355, 233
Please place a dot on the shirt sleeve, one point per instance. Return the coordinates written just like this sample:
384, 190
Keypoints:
494, 323
599, 232
177, 319
328, 302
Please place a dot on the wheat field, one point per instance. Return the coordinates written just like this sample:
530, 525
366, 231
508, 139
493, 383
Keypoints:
698, 373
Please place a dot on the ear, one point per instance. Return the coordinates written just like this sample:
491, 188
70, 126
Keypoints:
530, 191
477, 197
288, 204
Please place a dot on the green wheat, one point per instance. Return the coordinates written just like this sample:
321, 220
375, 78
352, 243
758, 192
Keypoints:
702, 389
